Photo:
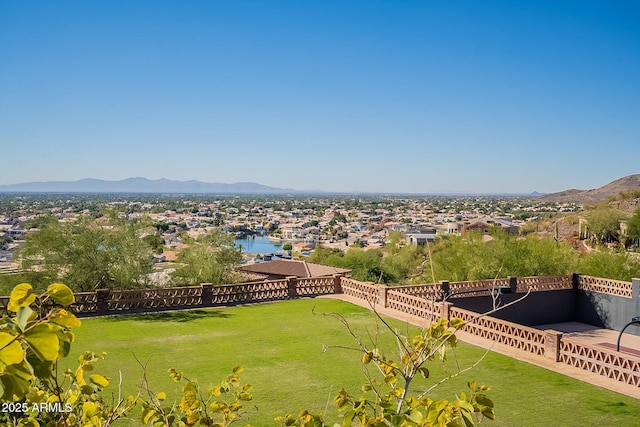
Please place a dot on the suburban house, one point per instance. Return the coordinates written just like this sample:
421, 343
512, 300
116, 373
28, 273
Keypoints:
291, 232
420, 239
484, 226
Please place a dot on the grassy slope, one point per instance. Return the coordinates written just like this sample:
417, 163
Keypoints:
280, 346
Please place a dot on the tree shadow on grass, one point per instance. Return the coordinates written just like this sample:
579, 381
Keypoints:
171, 316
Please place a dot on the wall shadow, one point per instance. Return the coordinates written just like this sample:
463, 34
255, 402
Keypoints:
594, 309
538, 308
171, 316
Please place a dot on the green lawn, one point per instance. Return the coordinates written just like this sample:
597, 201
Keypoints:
280, 346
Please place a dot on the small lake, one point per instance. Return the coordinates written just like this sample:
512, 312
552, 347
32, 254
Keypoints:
258, 245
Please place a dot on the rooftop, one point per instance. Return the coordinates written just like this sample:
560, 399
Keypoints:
295, 268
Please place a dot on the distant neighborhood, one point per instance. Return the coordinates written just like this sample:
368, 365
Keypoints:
297, 223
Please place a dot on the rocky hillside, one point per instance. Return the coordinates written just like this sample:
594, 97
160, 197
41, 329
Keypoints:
629, 183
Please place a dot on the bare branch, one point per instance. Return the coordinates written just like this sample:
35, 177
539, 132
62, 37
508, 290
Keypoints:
460, 372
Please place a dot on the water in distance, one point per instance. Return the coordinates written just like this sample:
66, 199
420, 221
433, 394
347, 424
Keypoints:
258, 245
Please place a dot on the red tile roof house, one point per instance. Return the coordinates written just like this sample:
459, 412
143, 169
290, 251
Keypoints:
281, 269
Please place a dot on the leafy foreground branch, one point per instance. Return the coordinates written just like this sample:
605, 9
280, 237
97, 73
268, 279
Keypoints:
388, 400
37, 331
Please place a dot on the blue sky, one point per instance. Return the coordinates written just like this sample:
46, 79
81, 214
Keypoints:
375, 96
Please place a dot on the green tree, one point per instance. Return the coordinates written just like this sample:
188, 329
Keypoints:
531, 255
402, 262
633, 227
39, 221
208, 259
392, 264
612, 265
366, 265
473, 258
458, 259
88, 255
339, 217
328, 256
395, 242
155, 242
604, 223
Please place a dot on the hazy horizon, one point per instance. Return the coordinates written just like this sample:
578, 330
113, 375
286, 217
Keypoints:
50, 187
360, 97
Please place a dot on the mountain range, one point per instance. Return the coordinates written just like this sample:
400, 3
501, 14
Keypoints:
627, 183
144, 185
167, 186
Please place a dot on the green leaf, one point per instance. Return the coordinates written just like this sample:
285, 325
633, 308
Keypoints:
453, 341
348, 418
464, 405
424, 372
13, 387
87, 389
99, 380
342, 404
457, 323
61, 294
87, 357
62, 317
467, 418
16, 382
23, 316
65, 339
20, 370
435, 409
488, 413
396, 420
484, 400
41, 369
43, 341
89, 409
147, 415
11, 351
416, 416
21, 296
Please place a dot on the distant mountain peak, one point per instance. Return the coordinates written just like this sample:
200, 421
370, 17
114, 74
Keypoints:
144, 185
